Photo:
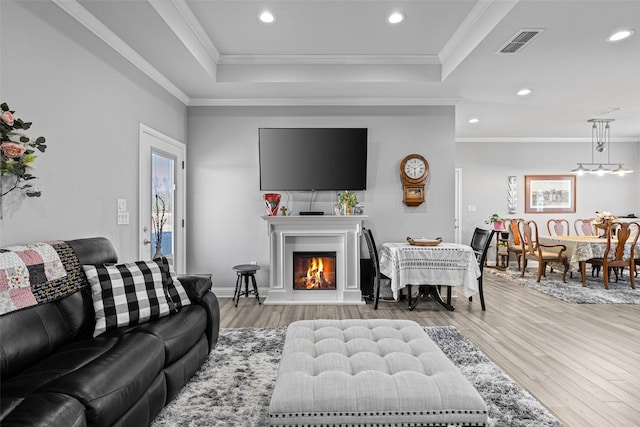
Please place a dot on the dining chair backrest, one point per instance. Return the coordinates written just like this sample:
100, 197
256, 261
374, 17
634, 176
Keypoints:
584, 227
514, 230
625, 233
529, 234
480, 242
558, 227
375, 262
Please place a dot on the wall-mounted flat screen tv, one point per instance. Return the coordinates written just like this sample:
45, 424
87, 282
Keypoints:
306, 159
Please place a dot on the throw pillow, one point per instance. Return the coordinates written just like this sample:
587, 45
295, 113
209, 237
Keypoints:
127, 294
176, 293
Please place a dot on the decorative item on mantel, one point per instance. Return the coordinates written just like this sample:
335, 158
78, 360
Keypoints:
271, 203
347, 200
497, 221
17, 155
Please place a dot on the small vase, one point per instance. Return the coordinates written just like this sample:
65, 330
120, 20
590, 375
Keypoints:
348, 210
158, 253
498, 225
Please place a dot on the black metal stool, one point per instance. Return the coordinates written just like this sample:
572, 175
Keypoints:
245, 271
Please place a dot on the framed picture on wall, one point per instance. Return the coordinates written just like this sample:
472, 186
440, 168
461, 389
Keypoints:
550, 193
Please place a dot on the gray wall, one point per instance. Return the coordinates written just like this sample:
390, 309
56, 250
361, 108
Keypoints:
225, 202
487, 165
87, 101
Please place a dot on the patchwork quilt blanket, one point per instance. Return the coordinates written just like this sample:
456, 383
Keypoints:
37, 273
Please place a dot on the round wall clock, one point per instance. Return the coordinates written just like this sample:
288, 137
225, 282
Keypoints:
414, 171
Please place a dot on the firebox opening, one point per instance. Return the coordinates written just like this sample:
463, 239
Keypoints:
314, 270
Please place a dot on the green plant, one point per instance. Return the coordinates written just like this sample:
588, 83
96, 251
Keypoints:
494, 218
17, 153
348, 198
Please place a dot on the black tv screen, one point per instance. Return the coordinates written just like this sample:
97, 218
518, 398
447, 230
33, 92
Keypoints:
305, 159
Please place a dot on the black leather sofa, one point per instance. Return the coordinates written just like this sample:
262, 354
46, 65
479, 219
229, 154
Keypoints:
54, 373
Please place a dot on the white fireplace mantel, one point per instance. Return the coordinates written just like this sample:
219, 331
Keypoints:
340, 234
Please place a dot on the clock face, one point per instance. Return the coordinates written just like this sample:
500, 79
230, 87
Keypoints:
415, 168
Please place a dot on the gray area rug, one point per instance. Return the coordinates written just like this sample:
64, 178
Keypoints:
233, 387
594, 293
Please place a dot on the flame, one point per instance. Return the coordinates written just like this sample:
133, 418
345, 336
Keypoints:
315, 273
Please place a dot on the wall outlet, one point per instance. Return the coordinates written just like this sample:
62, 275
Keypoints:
253, 262
471, 208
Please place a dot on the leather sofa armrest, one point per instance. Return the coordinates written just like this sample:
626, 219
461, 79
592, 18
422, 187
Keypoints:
195, 286
198, 290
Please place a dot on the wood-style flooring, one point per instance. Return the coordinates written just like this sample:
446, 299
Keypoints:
581, 361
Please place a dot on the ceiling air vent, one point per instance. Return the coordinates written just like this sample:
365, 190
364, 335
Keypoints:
520, 40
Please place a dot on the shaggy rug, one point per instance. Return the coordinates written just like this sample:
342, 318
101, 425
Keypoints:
233, 387
594, 293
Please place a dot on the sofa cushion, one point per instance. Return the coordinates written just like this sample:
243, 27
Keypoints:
54, 409
127, 294
178, 332
109, 384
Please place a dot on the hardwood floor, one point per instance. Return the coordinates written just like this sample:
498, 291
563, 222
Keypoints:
582, 361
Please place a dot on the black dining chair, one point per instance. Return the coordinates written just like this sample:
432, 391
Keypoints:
375, 261
480, 243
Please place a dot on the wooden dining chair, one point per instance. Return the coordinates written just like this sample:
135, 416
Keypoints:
378, 277
480, 242
532, 249
584, 227
625, 233
558, 227
514, 243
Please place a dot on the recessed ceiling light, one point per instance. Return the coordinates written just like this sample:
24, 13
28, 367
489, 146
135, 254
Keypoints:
266, 17
474, 120
523, 92
620, 35
396, 17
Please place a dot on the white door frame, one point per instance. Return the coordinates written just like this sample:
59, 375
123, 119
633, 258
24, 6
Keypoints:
458, 206
150, 141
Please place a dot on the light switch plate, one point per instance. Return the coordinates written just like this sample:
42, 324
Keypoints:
123, 218
122, 205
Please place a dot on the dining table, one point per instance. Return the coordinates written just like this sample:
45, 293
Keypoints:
580, 249
429, 267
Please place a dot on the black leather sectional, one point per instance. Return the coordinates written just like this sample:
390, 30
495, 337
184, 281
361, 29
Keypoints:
54, 373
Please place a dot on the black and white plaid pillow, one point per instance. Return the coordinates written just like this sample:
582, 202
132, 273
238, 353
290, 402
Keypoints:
175, 291
127, 294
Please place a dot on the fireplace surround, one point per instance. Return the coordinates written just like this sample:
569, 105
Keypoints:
320, 235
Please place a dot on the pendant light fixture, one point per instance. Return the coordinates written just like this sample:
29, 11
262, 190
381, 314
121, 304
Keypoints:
601, 142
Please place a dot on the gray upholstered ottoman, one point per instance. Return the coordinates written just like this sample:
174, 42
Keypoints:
369, 373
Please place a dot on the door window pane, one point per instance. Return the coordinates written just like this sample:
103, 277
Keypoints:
162, 202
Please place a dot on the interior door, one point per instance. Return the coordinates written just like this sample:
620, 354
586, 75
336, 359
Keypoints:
162, 197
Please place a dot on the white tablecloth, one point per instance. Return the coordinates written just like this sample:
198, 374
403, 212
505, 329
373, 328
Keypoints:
448, 264
583, 248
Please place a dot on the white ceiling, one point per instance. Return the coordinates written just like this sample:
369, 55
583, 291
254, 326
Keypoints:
344, 52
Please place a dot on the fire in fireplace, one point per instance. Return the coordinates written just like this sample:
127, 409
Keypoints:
314, 270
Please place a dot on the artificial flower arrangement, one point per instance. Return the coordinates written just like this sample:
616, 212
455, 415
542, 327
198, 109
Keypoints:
605, 217
17, 153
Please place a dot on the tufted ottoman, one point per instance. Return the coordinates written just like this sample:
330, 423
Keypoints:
369, 373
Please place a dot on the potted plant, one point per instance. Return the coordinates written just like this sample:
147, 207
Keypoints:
497, 221
348, 200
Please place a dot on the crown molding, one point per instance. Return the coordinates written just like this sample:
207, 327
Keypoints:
484, 17
533, 139
84, 17
181, 20
285, 102
329, 59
